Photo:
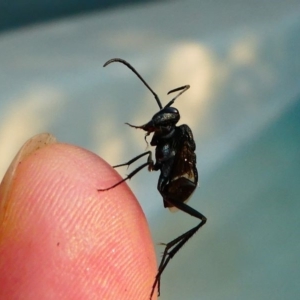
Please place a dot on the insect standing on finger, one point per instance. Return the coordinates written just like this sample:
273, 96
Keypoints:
175, 158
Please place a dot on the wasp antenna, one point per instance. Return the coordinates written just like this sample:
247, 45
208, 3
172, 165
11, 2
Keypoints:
109, 62
124, 62
179, 89
183, 89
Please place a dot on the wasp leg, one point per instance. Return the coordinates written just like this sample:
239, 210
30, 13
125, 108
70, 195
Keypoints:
130, 175
135, 159
175, 245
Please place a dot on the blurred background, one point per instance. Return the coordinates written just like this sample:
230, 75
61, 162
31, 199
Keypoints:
242, 61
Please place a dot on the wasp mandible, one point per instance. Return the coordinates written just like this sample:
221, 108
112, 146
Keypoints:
175, 158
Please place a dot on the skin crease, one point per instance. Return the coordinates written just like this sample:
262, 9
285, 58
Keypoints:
62, 239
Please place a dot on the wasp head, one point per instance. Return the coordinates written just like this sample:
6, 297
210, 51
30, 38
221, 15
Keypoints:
162, 122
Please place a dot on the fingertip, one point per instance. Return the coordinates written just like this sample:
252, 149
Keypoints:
61, 235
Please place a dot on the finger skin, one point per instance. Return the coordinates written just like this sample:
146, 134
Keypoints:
62, 239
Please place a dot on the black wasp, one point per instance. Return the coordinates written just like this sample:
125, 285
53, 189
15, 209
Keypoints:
175, 158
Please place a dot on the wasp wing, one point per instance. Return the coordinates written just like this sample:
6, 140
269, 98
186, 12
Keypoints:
184, 175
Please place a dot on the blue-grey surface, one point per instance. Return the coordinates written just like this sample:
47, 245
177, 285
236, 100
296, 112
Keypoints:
242, 62
18, 13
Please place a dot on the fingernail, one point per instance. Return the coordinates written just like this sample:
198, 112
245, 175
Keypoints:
37, 142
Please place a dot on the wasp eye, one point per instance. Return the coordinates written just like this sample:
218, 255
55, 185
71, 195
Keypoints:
171, 110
